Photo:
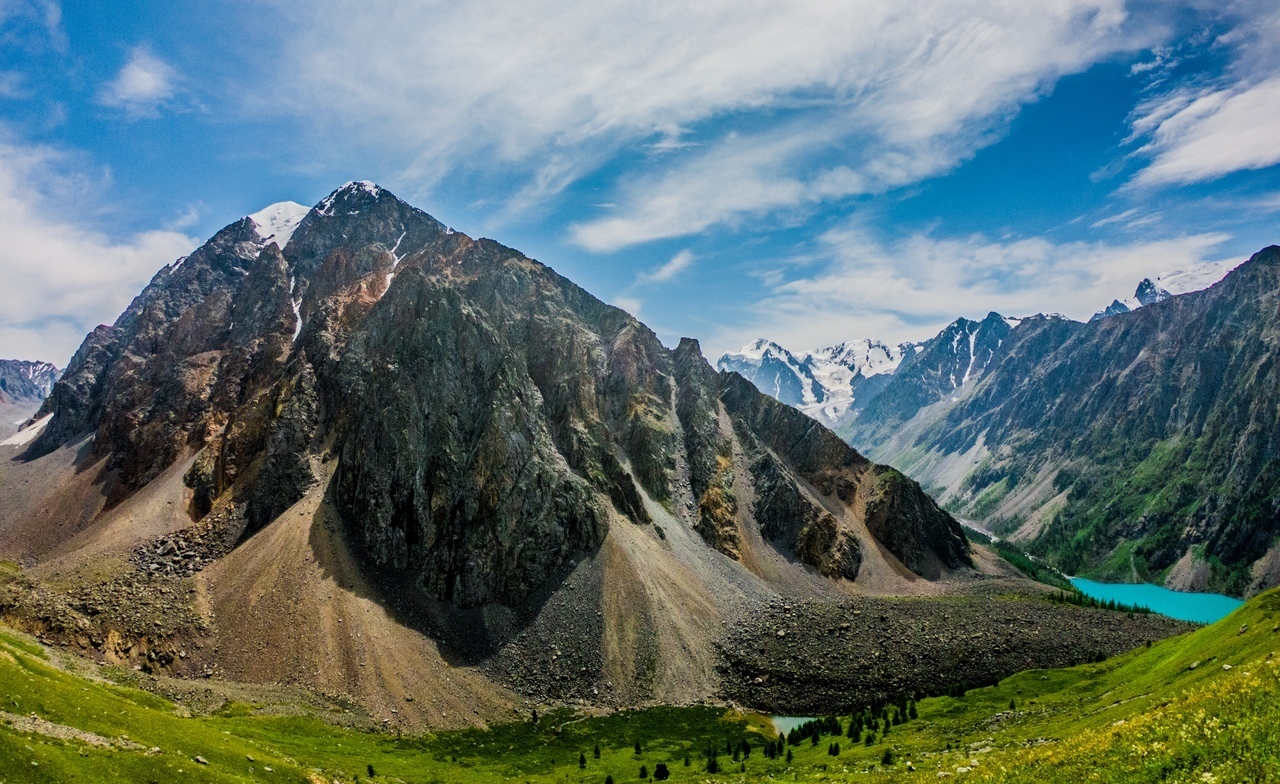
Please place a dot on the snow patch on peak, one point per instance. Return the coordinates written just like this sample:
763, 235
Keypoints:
1196, 277
278, 222
758, 349
352, 188
822, 382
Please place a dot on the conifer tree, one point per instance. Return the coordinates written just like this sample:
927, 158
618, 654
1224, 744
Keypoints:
887, 759
871, 739
582, 762
608, 780
911, 710
660, 772
644, 772
596, 751
788, 756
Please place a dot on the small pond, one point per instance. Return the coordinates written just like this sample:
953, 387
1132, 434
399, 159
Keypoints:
1196, 607
785, 724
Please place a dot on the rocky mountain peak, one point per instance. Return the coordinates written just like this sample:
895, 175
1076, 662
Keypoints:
1148, 293
491, 421
25, 380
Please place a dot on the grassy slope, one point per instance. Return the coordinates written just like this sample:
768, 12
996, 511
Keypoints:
1144, 716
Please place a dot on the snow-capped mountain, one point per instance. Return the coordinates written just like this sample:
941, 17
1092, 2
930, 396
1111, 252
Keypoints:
825, 382
23, 380
277, 222
23, 387
1168, 284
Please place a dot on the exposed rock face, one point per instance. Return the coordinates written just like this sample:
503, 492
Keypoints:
490, 419
1156, 429
894, 508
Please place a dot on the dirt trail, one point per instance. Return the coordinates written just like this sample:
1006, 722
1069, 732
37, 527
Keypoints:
291, 606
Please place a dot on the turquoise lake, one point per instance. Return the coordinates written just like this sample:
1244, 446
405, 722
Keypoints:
1197, 607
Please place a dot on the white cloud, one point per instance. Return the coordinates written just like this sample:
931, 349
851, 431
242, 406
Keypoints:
629, 304
910, 289
62, 279
678, 263
1211, 134
1200, 129
143, 86
894, 91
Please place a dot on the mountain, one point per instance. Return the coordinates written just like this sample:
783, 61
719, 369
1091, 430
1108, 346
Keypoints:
1147, 293
23, 380
352, 450
826, 383
835, 383
1142, 446
23, 387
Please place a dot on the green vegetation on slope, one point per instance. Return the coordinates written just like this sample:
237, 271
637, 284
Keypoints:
1207, 702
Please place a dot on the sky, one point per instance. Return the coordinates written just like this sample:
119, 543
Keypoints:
806, 171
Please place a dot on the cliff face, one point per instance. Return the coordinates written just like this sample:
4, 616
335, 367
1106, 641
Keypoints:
490, 420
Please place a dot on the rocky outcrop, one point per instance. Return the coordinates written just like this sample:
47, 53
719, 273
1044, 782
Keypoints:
895, 509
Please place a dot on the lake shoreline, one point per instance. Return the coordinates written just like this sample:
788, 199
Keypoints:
1180, 605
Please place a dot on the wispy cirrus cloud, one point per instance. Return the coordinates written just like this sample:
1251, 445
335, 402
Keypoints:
1204, 136
1207, 127
863, 286
750, 107
678, 264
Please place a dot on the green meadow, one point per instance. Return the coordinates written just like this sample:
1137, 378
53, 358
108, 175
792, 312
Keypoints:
1201, 707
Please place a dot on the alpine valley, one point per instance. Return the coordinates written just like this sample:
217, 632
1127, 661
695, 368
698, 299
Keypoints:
1142, 446
349, 451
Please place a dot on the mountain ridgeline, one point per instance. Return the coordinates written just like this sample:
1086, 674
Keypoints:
1143, 445
25, 381
490, 421
23, 387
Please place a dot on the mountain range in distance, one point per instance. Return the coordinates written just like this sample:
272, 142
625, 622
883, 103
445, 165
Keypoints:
1141, 446
832, 383
24, 385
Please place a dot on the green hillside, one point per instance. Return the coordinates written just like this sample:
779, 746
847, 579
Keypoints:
1204, 703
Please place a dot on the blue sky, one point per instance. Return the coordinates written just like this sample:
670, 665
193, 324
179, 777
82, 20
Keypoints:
808, 171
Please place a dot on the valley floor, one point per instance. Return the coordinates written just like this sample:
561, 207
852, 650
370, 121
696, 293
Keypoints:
1203, 706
